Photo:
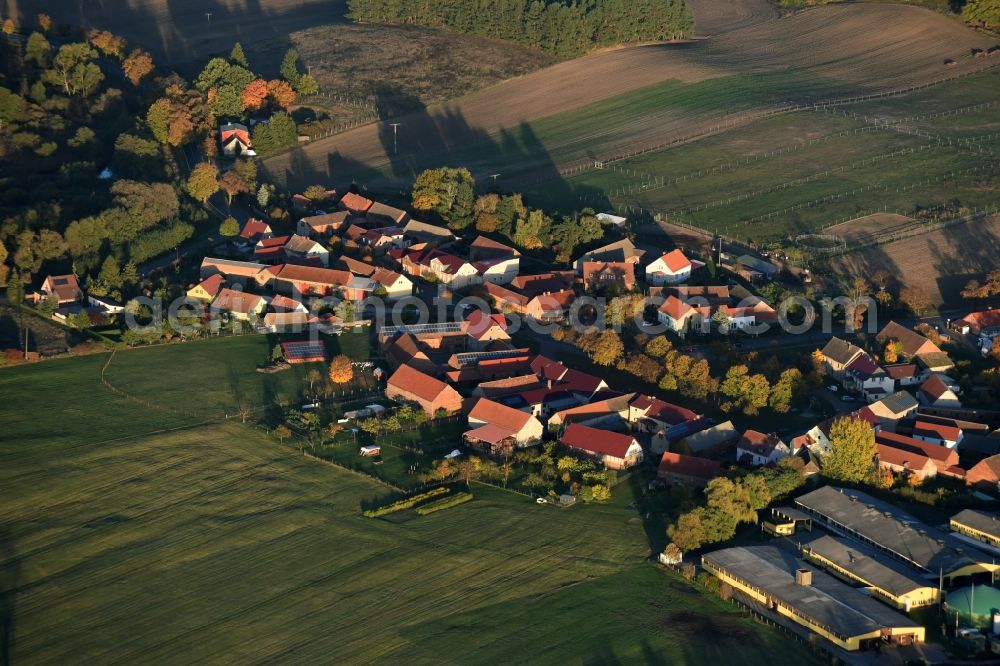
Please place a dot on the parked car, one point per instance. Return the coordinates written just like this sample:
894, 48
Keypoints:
847, 398
832, 387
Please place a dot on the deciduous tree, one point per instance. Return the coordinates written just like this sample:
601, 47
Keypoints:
341, 370
137, 65
852, 450
38, 50
608, 348
232, 184
107, 43
229, 227
203, 182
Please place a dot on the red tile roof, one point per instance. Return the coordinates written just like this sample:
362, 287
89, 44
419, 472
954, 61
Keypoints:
326, 276
596, 272
548, 369
902, 458
501, 415
937, 431
901, 371
675, 308
504, 295
559, 300
939, 454
595, 440
481, 323
934, 388
676, 261
412, 381
675, 463
212, 284
912, 342
254, 228
231, 300
662, 410
356, 203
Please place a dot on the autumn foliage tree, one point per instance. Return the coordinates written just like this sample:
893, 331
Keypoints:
137, 65
203, 182
107, 43
232, 184
254, 95
281, 93
341, 370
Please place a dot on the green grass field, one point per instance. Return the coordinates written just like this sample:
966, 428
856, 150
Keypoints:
134, 535
760, 166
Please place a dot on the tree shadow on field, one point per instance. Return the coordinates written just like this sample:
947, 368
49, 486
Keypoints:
511, 160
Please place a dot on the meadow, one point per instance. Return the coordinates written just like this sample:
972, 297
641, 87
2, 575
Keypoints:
157, 535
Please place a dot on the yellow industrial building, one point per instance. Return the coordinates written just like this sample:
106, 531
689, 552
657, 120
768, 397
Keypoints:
775, 582
978, 525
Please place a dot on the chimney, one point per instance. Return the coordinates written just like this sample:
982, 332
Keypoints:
803, 577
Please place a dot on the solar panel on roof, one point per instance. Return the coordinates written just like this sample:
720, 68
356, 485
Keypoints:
471, 358
299, 350
417, 329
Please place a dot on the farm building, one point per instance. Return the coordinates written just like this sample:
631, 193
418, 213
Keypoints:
410, 385
980, 526
913, 344
893, 532
887, 581
615, 450
323, 225
498, 429
619, 251
710, 441
935, 392
304, 351
785, 587
690, 471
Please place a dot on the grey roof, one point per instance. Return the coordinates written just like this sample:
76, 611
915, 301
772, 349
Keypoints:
979, 520
790, 513
900, 402
710, 437
879, 571
891, 529
756, 264
841, 351
617, 251
425, 229
827, 602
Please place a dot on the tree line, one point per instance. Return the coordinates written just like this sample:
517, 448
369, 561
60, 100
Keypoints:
562, 27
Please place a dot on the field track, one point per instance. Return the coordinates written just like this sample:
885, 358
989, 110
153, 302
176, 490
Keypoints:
847, 45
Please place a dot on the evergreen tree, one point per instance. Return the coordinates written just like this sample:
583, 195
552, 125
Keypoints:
238, 57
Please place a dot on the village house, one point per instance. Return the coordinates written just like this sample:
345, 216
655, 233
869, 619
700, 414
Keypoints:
431, 235
309, 281
715, 440
238, 304
598, 275
65, 288
658, 418
497, 429
288, 322
544, 283
383, 239
816, 439
838, 355
614, 450
446, 268
238, 272
608, 413
941, 434
904, 374
485, 328
270, 250
386, 215
410, 385
495, 262
322, 226
911, 343
936, 392
690, 471
905, 462
255, 230
282, 303
355, 203
302, 249
619, 251
864, 375
892, 409
985, 474
672, 268
984, 322
234, 138
943, 458
756, 448
677, 315
207, 289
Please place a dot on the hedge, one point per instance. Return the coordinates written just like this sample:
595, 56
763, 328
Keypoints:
444, 503
405, 503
